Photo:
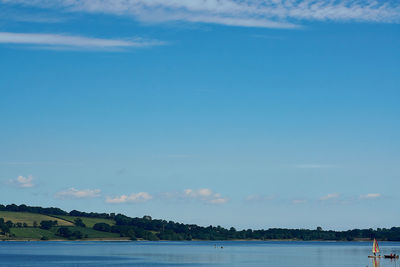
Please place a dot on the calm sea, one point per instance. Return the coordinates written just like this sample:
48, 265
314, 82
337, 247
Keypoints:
276, 254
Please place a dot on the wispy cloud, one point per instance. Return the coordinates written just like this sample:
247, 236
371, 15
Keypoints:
24, 16
205, 195
371, 196
332, 196
63, 41
132, 198
75, 193
260, 198
299, 201
314, 166
22, 181
246, 13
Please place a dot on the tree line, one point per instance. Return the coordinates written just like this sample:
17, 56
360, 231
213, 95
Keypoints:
149, 229
156, 229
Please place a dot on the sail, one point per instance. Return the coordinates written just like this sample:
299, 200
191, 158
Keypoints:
375, 247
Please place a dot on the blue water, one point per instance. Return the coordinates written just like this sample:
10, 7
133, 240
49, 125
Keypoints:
276, 254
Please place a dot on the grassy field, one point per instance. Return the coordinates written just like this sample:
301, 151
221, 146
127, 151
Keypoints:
89, 222
32, 233
37, 233
29, 218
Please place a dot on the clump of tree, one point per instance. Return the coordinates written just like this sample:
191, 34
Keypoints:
104, 227
4, 228
66, 232
20, 225
46, 225
79, 222
40, 210
54, 211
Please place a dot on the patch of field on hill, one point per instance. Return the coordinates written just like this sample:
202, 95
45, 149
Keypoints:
32, 233
89, 222
29, 218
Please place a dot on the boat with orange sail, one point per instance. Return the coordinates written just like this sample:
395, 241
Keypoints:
375, 250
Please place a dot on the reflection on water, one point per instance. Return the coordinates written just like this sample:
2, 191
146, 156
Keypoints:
375, 262
276, 254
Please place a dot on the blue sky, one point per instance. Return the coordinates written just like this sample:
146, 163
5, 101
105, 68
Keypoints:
252, 114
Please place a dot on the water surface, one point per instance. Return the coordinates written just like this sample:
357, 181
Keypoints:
226, 253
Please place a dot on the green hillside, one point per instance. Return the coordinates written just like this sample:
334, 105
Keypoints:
29, 218
17, 223
30, 233
27, 226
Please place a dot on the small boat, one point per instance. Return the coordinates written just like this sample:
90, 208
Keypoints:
391, 256
375, 250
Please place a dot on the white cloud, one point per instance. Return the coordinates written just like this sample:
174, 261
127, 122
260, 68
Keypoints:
23, 182
132, 198
219, 200
329, 197
206, 195
371, 196
63, 41
247, 13
299, 201
75, 193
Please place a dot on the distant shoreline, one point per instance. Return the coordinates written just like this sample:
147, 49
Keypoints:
26, 223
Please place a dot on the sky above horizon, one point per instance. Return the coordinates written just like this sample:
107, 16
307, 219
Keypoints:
252, 114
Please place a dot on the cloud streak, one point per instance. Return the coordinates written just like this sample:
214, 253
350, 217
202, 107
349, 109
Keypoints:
132, 198
246, 13
371, 196
314, 166
205, 195
260, 198
63, 41
74, 193
329, 197
299, 201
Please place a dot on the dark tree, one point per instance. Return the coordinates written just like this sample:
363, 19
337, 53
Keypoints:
79, 222
64, 232
67, 233
46, 225
4, 229
104, 227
